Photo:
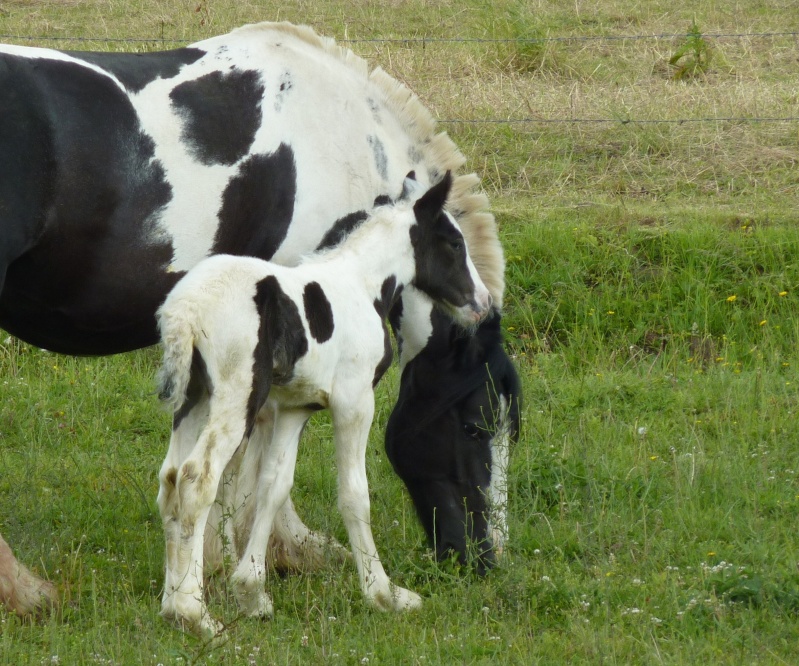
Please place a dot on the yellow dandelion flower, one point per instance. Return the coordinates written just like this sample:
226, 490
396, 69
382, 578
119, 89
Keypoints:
783, 293
762, 323
711, 553
731, 298
653, 457
611, 312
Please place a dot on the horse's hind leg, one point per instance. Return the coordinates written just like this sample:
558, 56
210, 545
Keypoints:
186, 429
294, 547
274, 482
188, 491
20, 591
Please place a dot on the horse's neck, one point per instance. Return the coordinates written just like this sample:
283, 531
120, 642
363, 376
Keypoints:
415, 325
374, 258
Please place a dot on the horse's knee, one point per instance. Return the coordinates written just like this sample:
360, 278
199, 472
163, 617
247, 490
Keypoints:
196, 488
168, 478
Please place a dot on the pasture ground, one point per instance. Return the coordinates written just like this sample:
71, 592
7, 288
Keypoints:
653, 276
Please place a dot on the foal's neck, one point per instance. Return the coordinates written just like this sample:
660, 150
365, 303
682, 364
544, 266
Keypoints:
375, 253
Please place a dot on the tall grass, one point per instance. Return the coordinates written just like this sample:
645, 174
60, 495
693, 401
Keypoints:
653, 275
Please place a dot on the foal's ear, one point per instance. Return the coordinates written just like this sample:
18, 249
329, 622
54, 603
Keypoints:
432, 202
411, 188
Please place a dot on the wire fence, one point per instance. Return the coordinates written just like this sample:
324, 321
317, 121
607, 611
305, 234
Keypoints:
423, 41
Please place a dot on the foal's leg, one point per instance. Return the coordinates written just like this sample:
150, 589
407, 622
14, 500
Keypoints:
292, 546
351, 423
274, 484
185, 432
196, 483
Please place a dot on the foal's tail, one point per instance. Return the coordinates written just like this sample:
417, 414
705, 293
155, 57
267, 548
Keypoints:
177, 340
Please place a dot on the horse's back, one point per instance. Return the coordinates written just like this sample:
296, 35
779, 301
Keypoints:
135, 167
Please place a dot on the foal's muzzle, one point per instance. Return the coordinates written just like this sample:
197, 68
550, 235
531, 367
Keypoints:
481, 306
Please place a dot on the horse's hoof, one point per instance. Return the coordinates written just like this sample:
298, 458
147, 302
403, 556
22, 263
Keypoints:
397, 599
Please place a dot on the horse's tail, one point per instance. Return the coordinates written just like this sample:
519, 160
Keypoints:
177, 340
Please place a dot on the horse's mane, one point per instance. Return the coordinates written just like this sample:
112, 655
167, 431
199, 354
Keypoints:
470, 208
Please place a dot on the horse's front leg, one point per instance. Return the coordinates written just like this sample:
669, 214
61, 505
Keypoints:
351, 422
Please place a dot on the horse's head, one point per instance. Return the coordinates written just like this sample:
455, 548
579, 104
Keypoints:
448, 439
444, 270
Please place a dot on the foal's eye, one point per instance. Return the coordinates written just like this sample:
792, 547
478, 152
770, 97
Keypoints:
456, 245
471, 429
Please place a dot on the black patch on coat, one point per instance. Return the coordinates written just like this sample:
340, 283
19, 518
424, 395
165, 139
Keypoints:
395, 318
389, 292
257, 206
137, 70
341, 228
285, 86
438, 437
388, 296
374, 107
388, 355
199, 385
281, 343
318, 312
221, 113
344, 226
381, 160
80, 196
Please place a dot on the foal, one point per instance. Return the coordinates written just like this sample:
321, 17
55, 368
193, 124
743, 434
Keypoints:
249, 343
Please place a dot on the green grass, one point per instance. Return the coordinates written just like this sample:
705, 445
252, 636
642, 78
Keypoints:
654, 489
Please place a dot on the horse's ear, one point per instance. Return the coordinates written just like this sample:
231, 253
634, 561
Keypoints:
432, 202
411, 188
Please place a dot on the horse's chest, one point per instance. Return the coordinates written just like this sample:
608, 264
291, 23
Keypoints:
348, 359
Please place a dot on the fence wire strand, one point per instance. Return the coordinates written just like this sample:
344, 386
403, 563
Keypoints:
426, 40
487, 40
610, 121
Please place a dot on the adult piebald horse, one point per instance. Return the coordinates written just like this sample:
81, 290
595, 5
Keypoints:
119, 172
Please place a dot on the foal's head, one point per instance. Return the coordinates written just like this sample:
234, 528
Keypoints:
444, 270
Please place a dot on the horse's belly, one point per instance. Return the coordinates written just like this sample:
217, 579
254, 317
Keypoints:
81, 305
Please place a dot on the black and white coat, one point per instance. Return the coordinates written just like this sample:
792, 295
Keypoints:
120, 171
251, 345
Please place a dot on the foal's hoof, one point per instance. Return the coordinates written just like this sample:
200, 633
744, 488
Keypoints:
197, 621
397, 599
253, 600
405, 600
258, 605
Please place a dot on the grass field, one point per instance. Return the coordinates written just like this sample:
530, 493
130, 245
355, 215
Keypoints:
653, 276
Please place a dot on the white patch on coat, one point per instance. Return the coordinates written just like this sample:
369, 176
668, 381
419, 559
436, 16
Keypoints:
38, 53
498, 492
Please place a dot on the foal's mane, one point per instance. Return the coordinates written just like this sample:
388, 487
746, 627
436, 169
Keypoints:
440, 154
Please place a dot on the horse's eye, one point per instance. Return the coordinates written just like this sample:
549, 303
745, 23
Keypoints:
456, 245
471, 429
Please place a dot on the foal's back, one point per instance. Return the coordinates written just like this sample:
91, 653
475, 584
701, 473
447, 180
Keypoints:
313, 322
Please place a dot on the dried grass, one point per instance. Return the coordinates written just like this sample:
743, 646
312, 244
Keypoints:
752, 77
